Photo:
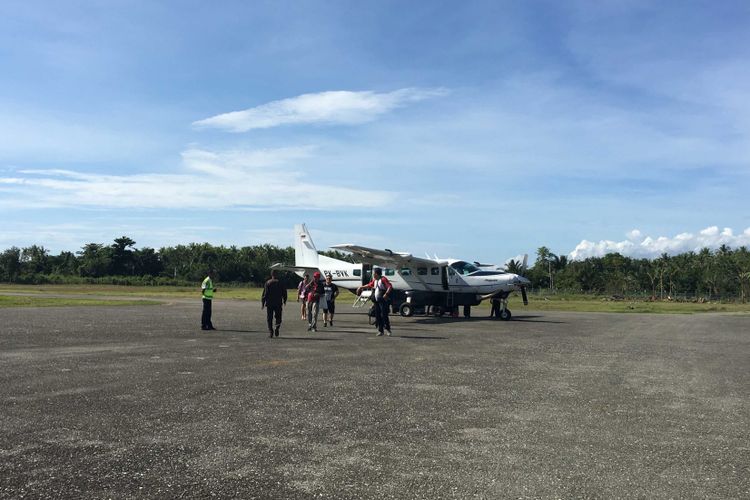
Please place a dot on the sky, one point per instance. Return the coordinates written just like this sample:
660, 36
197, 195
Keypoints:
476, 130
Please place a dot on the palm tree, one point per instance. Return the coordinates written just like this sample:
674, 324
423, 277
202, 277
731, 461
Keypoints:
543, 254
744, 279
514, 266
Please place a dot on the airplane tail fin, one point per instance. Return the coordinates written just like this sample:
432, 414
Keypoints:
305, 253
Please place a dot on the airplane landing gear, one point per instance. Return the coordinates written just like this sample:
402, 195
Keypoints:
406, 310
500, 308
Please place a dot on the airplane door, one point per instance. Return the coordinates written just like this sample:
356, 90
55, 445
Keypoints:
454, 279
444, 276
366, 273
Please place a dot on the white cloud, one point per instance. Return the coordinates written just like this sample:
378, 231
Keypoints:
214, 180
634, 235
229, 163
333, 107
647, 247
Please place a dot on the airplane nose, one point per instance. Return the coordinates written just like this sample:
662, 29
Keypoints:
521, 281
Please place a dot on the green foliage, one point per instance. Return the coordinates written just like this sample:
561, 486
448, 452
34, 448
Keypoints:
122, 264
10, 264
335, 254
721, 274
515, 267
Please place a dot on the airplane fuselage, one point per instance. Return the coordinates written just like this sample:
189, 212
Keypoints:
445, 276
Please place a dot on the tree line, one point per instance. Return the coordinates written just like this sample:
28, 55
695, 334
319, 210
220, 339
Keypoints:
719, 274
722, 274
120, 263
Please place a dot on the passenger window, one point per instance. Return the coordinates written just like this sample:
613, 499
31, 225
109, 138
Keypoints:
405, 271
357, 272
422, 271
435, 271
390, 272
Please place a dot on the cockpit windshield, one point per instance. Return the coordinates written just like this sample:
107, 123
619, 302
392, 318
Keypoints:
464, 268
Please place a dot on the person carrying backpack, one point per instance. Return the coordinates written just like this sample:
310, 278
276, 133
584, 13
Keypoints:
382, 289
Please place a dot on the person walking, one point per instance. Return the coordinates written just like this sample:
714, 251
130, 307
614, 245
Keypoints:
330, 292
382, 289
207, 291
273, 299
495, 311
302, 295
314, 289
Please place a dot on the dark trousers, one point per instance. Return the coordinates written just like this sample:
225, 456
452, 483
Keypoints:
381, 315
272, 311
206, 317
495, 311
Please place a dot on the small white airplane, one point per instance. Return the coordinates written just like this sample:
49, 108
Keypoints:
440, 284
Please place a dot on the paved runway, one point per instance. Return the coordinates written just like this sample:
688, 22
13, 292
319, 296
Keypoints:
138, 402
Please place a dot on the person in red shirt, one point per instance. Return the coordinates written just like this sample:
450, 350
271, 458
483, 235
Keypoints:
382, 290
313, 291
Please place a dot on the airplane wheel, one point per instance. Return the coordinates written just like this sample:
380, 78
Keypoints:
406, 310
505, 315
438, 311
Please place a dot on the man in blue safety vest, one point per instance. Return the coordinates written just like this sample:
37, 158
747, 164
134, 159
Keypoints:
207, 290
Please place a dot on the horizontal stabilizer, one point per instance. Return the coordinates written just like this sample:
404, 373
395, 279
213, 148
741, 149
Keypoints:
294, 269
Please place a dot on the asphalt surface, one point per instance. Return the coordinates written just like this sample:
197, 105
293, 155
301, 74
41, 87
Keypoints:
130, 401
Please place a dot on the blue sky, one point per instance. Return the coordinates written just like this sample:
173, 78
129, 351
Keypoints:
480, 130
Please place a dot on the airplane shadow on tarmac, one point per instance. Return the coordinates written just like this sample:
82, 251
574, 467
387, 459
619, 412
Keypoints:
305, 338
529, 318
396, 333
526, 319
418, 337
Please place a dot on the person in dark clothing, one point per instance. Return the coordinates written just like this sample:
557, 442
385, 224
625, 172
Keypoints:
495, 311
207, 292
330, 292
273, 299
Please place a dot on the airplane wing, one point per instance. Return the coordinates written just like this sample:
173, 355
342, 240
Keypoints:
385, 256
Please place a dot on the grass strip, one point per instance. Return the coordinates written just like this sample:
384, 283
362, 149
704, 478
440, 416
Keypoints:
27, 301
559, 302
